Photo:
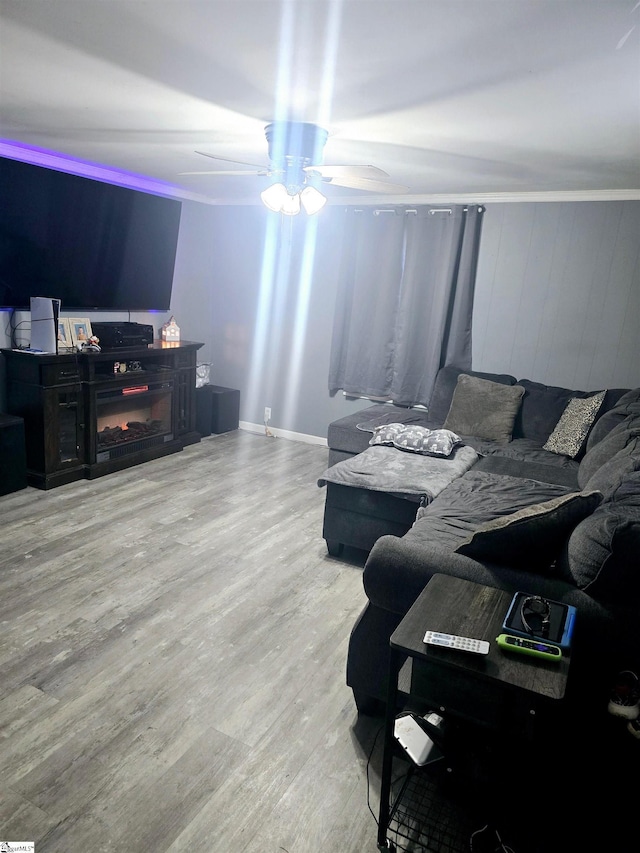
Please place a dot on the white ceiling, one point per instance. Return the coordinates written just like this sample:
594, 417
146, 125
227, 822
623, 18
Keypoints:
458, 99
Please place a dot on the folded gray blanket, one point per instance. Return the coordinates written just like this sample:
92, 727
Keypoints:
387, 469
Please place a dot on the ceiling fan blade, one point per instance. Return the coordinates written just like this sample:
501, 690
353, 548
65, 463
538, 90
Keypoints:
356, 183
302, 145
229, 160
228, 172
361, 171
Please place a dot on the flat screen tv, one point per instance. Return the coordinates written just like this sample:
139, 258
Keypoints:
93, 245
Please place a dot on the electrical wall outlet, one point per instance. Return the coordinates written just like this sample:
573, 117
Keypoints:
267, 414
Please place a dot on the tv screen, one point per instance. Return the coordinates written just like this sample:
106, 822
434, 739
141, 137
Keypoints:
93, 245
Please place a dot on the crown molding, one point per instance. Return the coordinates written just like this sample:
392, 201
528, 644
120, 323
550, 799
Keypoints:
457, 198
65, 163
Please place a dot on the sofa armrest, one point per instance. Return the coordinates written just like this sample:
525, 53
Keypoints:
397, 571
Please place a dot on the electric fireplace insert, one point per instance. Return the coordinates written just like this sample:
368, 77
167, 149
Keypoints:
133, 418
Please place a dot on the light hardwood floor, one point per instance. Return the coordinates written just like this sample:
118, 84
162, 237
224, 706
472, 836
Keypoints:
172, 656
173, 642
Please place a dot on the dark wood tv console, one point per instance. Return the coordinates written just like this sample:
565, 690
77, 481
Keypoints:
91, 413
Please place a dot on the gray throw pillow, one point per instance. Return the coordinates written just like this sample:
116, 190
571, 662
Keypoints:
417, 439
609, 476
483, 409
571, 431
533, 537
606, 449
445, 385
386, 434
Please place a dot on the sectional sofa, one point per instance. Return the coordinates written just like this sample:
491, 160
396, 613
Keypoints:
546, 501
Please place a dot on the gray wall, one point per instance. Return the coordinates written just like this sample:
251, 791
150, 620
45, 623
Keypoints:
557, 301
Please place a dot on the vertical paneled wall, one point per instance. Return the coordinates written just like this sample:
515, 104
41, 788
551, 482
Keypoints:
558, 293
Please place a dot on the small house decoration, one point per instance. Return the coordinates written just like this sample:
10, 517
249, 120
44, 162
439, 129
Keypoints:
171, 330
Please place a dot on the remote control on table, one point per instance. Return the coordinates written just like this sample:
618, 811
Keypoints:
535, 648
452, 641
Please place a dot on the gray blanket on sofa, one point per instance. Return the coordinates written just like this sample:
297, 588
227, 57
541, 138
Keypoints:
398, 472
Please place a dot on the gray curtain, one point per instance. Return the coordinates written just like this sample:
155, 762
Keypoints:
405, 300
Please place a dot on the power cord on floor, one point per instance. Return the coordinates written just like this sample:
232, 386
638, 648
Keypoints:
394, 782
500, 847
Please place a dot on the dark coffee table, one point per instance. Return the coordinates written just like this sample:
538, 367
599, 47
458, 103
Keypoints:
503, 693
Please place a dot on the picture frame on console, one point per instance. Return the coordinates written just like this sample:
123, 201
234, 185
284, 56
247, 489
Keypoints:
80, 329
64, 335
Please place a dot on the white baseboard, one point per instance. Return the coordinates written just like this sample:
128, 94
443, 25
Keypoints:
283, 433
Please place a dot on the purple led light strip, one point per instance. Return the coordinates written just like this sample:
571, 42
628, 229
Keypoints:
14, 150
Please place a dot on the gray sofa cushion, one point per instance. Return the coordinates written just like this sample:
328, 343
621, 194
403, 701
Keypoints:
601, 555
533, 536
484, 409
541, 409
525, 450
606, 449
609, 476
398, 569
352, 432
543, 406
627, 403
533, 470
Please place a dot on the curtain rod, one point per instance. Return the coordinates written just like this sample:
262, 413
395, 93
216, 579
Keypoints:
380, 210
433, 210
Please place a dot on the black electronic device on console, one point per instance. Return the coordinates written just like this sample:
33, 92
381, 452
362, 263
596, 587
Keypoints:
118, 335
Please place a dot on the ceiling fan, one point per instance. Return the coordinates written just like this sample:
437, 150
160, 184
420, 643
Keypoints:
296, 169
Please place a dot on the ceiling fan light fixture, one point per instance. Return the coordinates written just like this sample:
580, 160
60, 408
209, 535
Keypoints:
274, 197
290, 205
290, 200
312, 200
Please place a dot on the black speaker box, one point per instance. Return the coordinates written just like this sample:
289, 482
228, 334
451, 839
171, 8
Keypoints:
217, 409
13, 455
204, 410
114, 335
